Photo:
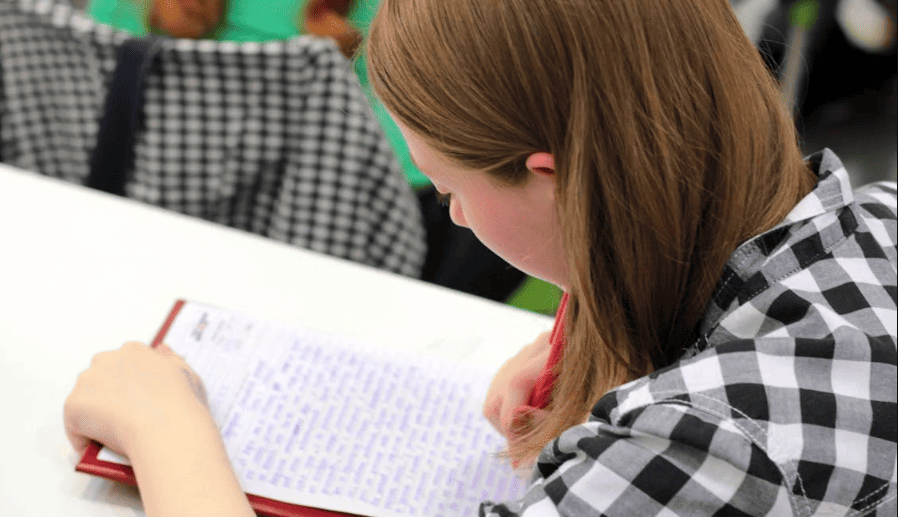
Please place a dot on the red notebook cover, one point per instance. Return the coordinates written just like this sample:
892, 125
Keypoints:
90, 464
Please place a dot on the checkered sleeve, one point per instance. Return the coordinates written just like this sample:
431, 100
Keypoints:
749, 428
668, 458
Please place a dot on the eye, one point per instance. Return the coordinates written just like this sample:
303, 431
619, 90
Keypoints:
444, 199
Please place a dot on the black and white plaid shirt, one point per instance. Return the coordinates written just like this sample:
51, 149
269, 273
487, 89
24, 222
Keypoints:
785, 406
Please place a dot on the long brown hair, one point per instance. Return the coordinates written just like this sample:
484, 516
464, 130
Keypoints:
671, 145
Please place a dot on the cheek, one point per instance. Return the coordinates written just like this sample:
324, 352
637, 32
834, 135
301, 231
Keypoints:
529, 241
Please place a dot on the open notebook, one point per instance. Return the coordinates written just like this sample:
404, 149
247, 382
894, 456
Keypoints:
315, 424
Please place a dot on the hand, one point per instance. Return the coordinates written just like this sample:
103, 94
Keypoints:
135, 389
149, 405
507, 397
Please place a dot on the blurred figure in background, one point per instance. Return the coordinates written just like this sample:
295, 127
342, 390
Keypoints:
235, 20
250, 20
456, 259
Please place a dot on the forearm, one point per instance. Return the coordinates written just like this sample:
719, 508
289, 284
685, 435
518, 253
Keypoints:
182, 469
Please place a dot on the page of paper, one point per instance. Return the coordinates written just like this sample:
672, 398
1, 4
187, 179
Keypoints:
317, 421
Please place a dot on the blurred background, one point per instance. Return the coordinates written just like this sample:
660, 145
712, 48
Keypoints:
843, 66
836, 61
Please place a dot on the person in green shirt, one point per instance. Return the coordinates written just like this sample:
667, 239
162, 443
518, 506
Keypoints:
127, 15
244, 20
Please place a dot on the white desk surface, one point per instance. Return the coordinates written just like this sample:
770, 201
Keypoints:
82, 272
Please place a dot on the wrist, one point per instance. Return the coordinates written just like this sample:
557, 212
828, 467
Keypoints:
182, 467
158, 426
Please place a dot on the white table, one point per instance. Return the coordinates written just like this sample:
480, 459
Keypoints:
82, 272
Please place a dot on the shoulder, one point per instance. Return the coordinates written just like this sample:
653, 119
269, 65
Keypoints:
787, 402
877, 205
830, 266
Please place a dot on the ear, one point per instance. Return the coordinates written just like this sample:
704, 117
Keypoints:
542, 164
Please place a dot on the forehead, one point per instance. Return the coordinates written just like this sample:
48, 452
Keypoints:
423, 155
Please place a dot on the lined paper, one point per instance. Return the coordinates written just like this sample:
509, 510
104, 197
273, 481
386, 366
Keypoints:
314, 420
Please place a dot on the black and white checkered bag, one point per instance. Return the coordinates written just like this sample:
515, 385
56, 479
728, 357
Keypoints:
274, 138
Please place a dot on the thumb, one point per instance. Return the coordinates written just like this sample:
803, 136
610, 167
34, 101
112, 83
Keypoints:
194, 380
164, 349
170, 354
73, 433
526, 418
513, 407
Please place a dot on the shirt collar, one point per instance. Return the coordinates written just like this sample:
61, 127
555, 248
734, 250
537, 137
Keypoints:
833, 189
764, 258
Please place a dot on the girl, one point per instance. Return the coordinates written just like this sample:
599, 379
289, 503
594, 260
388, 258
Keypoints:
727, 341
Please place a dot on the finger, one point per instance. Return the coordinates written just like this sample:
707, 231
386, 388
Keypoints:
538, 415
79, 442
526, 418
196, 385
518, 395
72, 430
164, 349
134, 344
170, 354
511, 403
496, 395
194, 380
101, 358
491, 410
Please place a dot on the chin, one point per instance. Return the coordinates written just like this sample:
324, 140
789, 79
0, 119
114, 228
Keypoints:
542, 275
